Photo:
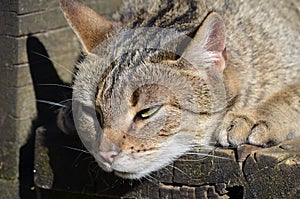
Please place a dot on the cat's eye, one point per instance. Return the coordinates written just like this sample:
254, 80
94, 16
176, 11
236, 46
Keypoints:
146, 113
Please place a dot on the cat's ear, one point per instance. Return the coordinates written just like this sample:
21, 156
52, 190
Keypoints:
90, 27
208, 43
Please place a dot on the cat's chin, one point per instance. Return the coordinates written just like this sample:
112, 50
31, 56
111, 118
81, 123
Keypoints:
129, 171
122, 174
128, 175
105, 167
135, 166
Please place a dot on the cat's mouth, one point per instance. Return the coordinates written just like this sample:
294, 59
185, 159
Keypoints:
124, 174
119, 173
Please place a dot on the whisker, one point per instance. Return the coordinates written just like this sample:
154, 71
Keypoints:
207, 155
151, 179
90, 157
176, 168
77, 159
168, 170
140, 181
114, 184
59, 85
63, 67
93, 166
76, 149
51, 103
67, 100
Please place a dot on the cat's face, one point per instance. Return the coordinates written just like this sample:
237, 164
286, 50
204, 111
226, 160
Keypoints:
142, 117
136, 116
147, 116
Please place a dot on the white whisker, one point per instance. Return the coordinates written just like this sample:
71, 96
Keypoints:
151, 179
63, 67
76, 149
165, 168
176, 168
51, 103
205, 156
59, 85
140, 181
67, 100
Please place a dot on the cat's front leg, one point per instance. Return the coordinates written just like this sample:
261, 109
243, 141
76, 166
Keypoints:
272, 121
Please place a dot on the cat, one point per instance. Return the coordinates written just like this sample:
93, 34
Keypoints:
167, 76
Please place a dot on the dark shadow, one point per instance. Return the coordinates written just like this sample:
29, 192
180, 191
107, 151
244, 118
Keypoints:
43, 76
235, 192
72, 169
46, 82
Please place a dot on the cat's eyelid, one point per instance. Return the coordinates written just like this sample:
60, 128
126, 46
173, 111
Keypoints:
152, 106
148, 112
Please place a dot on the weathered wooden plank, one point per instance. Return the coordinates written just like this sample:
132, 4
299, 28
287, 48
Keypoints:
54, 150
40, 22
18, 102
8, 23
15, 76
43, 17
9, 156
28, 6
105, 8
32, 6
8, 5
221, 169
14, 65
8, 51
218, 176
16, 25
274, 171
52, 44
145, 189
9, 189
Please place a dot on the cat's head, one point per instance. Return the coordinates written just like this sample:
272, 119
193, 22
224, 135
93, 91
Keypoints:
137, 113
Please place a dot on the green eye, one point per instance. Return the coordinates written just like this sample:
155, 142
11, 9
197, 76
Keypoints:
146, 113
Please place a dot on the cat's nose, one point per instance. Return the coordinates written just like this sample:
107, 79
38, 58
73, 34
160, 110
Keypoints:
109, 156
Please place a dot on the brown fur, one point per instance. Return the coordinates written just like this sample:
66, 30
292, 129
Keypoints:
236, 81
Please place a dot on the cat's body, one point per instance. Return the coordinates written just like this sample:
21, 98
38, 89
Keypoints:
159, 93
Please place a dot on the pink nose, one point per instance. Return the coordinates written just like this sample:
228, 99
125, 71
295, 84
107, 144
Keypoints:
109, 156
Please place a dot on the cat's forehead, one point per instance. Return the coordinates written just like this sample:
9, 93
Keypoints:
130, 46
141, 81
148, 83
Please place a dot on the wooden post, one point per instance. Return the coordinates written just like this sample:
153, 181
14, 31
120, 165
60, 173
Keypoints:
38, 50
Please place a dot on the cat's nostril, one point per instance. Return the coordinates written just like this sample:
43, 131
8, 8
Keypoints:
109, 156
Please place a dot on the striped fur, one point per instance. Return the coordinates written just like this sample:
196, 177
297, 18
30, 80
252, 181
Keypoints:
152, 60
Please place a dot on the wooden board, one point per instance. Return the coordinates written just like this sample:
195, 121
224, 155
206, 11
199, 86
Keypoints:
248, 172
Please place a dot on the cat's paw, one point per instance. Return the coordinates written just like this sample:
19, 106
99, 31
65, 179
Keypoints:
246, 127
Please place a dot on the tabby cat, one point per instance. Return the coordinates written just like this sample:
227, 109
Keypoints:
167, 76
